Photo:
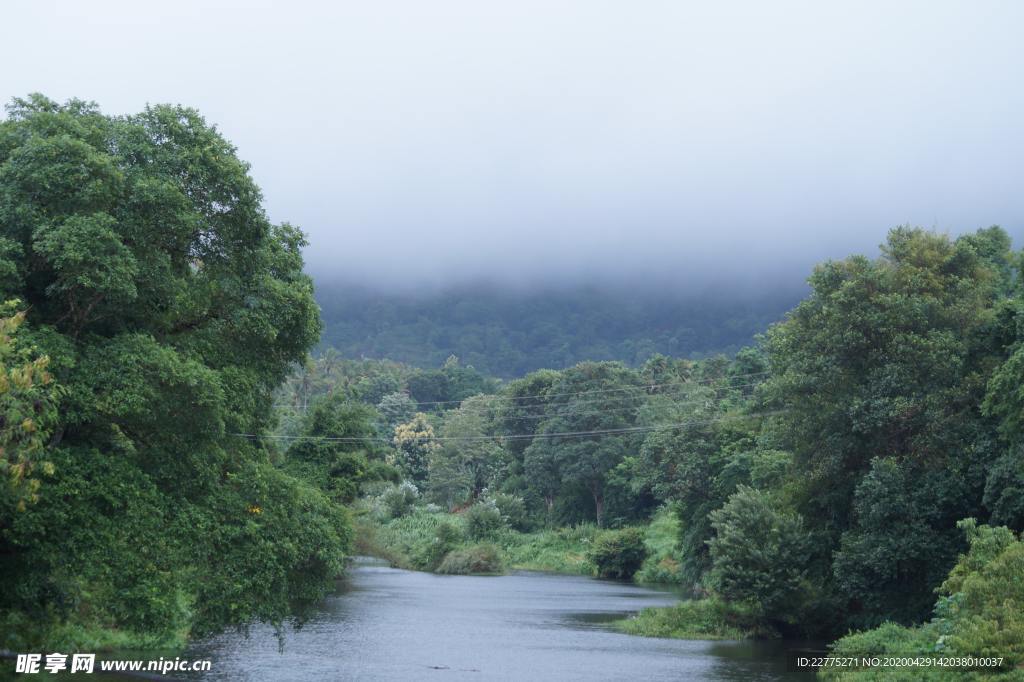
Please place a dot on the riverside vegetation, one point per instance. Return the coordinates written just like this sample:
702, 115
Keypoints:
176, 463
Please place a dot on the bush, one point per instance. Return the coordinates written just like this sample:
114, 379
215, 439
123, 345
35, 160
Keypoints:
618, 553
483, 520
446, 538
513, 511
382, 471
472, 560
709, 618
977, 613
398, 500
760, 554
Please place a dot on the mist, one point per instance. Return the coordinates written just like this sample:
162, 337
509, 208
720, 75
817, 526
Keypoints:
537, 144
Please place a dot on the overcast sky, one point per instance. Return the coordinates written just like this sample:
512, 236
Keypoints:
437, 141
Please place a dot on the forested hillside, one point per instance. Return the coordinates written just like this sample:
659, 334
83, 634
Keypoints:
507, 334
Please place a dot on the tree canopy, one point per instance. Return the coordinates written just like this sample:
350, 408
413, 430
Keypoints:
168, 308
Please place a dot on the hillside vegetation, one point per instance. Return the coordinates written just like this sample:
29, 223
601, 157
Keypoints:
508, 334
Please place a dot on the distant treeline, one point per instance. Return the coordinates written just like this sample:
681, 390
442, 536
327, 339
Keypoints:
510, 334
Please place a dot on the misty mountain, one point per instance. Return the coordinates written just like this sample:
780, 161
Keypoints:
509, 333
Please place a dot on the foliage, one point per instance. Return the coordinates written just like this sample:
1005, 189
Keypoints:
428, 557
508, 334
879, 377
618, 554
28, 400
986, 596
474, 560
468, 458
483, 520
513, 510
978, 613
412, 541
661, 539
396, 408
760, 554
170, 309
414, 445
709, 618
894, 557
584, 463
336, 448
562, 550
398, 500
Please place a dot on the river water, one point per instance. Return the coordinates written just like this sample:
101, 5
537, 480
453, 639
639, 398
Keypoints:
389, 624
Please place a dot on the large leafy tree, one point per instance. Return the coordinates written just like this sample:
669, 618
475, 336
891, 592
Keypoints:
888, 359
596, 402
469, 458
170, 308
415, 443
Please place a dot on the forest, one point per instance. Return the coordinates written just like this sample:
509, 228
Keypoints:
505, 333
177, 462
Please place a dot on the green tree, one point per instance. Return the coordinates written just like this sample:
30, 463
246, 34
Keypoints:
888, 359
396, 408
760, 554
599, 443
469, 458
415, 444
335, 447
170, 308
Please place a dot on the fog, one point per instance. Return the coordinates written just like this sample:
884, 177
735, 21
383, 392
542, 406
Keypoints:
424, 144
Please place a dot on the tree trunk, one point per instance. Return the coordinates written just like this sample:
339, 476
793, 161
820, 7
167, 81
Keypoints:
598, 503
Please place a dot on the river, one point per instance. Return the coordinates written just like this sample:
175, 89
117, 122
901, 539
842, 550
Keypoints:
388, 624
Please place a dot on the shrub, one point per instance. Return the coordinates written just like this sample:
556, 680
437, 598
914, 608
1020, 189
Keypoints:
483, 520
513, 511
760, 554
446, 538
709, 618
477, 559
398, 500
977, 613
382, 471
618, 553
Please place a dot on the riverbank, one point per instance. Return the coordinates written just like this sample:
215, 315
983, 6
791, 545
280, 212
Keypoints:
84, 636
708, 618
430, 540
421, 539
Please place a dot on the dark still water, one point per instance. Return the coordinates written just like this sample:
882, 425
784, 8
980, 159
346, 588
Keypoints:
388, 624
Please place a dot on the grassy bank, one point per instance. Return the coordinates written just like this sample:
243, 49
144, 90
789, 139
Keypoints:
709, 618
84, 636
420, 539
